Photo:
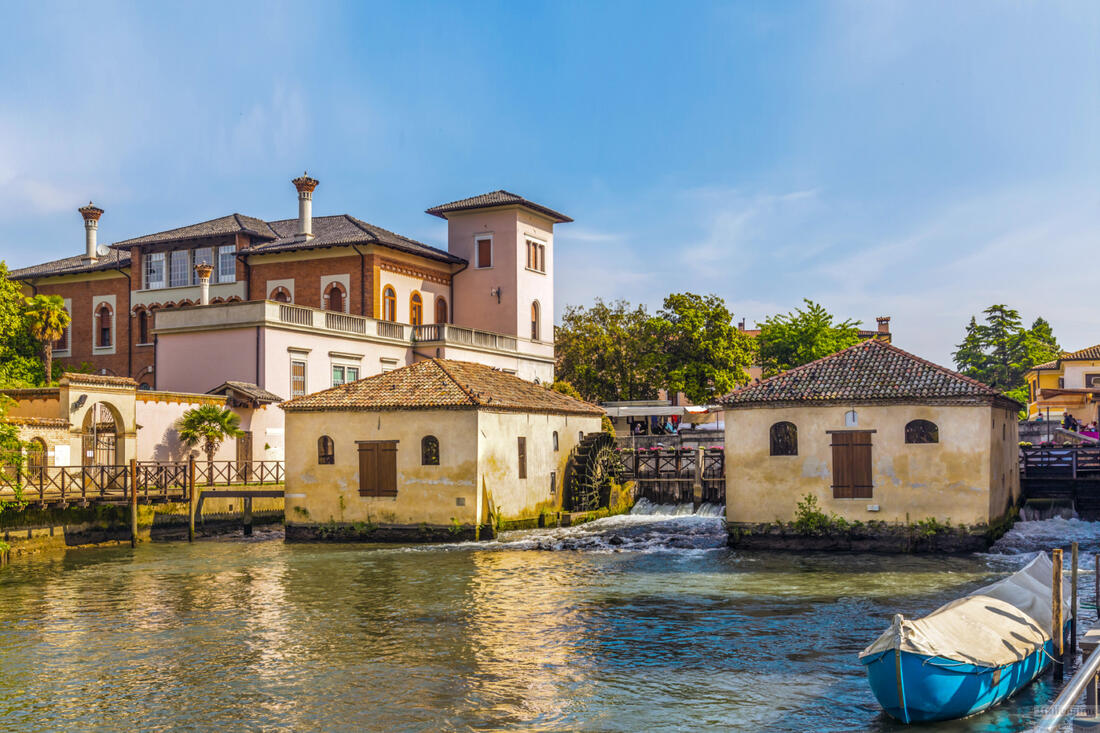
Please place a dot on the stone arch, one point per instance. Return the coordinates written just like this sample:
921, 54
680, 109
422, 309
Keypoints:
102, 428
335, 298
280, 295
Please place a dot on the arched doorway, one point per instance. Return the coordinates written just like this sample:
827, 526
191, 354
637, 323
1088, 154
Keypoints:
36, 460
99, 436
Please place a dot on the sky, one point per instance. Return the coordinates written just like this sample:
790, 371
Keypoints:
920, 160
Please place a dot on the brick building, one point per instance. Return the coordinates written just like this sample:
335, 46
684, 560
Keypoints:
297, 305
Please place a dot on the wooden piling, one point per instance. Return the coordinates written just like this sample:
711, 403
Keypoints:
192, 499
133, 503
248, 516
1056, 633
1073, 604
697, 486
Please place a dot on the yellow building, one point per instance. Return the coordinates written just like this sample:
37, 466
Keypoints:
427, 452
1070, 383
874, 434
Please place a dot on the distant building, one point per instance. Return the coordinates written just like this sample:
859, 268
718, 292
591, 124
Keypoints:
882, 333
874, 433
1070, 383
428, 451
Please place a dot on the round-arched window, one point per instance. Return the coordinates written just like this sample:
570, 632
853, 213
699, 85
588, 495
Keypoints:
784, 439
429, 451
326, 451
389, 304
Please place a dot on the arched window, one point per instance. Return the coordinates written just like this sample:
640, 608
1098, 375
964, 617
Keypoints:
389, 304
416, 309
429, 451
326, 451
143, 327
555, 441
441, 310
784, 439
535, 321
280, 295
335, 298
922, 431
103, 325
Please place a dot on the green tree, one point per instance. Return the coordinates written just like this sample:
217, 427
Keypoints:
209, 425
565, 388
805, 335
19, 363
608, 352
1000, 351
702, 354
47, 320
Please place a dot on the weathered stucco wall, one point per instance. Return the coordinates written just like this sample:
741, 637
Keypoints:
1004, 461
318, 494
498, 458
946, 480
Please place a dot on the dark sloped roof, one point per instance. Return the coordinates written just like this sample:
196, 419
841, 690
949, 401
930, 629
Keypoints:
870, 371
442, 384
72, 266
341, 230
1086, 354
495, 198
1047, 365
253, 392
220, 227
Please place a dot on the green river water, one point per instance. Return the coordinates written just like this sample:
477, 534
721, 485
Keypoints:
637, 623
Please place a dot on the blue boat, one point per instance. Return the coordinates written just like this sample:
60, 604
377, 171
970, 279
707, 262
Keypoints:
967, 655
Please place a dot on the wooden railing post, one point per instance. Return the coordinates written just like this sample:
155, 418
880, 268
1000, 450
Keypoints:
697, 488
133, 503
1056, 634
192, 501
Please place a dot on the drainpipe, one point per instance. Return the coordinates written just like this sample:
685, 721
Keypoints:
129, 323
243, 257
362, 280
259, 381
453, 275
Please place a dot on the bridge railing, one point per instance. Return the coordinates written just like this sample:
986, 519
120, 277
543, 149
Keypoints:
1069, 461
106, 484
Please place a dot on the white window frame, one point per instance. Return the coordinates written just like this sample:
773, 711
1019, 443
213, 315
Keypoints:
299, 358
539, 251
287, 283
345, 367
195, 261
227, 274
149, 259
387, 364
186, 253
478, 238
97, 302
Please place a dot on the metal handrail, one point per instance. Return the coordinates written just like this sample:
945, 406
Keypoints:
1060, 708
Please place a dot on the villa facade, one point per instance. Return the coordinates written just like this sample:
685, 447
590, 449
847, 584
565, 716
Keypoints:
297, 305
1070, 383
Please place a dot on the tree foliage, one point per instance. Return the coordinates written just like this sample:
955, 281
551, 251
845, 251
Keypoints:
804, 335
47, 320
1000, 351
19, 363
208, 425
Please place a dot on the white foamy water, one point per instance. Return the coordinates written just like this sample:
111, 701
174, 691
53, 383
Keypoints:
1046, 534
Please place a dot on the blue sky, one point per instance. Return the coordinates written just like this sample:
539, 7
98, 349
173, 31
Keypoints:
919, 160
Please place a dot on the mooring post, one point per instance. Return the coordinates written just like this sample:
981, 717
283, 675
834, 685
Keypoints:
192, 500
133, 502
1073, 605
1056, 634
697, 489
248, 516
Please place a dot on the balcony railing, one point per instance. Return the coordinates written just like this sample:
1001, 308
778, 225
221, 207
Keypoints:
463, 336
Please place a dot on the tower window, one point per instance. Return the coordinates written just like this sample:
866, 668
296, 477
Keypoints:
484, 253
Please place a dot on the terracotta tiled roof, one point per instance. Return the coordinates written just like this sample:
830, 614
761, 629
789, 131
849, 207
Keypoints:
1047, 365
495, 198
870, 371
442, 384
1087, 354
342, 230
222, 226
72, 266
253, 392
39, 422
79, 378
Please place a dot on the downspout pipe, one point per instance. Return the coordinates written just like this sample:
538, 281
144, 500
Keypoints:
362, 280
452, 286
242, 257
130, 323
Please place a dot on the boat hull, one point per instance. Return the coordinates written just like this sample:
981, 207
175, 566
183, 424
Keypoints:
935, 688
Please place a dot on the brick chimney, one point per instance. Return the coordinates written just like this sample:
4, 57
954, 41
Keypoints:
305, 186
883, 324
91, 214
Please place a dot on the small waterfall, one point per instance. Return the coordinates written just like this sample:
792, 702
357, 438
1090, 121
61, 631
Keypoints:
645, 507
1038, 512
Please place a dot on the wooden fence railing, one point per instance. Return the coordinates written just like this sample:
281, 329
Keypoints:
113, 484
676, 476
1070, 461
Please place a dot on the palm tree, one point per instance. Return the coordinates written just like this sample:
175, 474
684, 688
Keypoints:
47, 320
209, 425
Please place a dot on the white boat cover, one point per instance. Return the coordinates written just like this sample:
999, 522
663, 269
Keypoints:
996, 625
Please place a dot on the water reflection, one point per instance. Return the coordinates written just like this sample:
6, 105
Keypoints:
674, 634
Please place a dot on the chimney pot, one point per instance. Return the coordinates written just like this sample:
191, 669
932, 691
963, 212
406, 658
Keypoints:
305, 186
91, 214
883, 324
204, 271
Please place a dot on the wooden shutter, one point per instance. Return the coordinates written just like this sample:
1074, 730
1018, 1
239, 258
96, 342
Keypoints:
523, 457
378, 468
484, 253
852, 465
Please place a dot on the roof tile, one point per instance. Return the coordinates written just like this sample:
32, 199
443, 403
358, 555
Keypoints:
495, 198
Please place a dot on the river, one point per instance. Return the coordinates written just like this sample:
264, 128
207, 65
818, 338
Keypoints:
643, 622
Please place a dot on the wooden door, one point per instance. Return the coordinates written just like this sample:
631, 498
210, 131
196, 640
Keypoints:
378, 468
244, 456
852, 465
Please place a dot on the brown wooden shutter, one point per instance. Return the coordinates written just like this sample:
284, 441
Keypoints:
368, 469
852, 465
523, 457
484, 253
387, 469
842, 466
378, 468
